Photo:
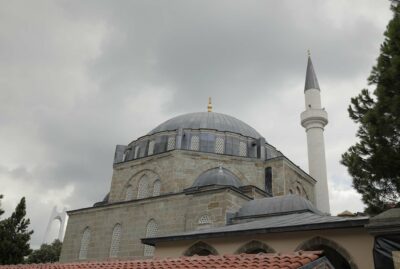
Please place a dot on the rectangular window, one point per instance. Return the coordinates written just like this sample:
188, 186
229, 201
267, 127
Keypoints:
171, 143
232, 145
242, 149
219, 145
161, 144
207, 142
268, 181
151, 148
195, 142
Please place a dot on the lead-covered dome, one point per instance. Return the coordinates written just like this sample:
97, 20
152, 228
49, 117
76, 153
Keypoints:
217, 176
207, 120
277, 205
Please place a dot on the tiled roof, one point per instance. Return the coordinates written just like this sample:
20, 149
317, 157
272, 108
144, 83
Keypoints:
253, 261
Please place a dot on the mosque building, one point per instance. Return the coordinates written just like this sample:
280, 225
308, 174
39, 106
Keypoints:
208, 183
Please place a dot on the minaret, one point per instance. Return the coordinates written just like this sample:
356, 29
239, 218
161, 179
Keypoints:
314, 119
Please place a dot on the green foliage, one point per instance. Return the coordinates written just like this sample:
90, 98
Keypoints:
1, 211
47, 253
15, 236
374, 161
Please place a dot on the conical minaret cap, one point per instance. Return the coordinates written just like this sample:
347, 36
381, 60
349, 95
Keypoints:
311, 78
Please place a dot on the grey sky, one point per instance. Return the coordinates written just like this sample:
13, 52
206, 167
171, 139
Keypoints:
79, 77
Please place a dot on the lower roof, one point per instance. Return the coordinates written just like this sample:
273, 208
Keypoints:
301, 221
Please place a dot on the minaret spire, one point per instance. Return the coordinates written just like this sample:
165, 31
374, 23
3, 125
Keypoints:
311, 77
314, 119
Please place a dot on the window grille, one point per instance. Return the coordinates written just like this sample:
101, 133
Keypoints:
219, 145
143, 188
157, 187
205, 219
84, 244
151, 231
195, 143
242, 149
129, 193
151, 148
171, 143
116, 238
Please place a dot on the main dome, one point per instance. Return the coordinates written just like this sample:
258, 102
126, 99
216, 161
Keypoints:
207, 120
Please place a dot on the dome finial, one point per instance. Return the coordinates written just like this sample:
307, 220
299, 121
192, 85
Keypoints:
309, 53
209, 107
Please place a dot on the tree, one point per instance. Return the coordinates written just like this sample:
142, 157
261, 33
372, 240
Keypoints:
1, 211
374, 161
47, 253
15, 236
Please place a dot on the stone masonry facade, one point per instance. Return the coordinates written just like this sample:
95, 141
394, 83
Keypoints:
176, 208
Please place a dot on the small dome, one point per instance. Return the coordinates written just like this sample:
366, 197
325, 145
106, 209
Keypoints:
217, 176
207, 120
276, 205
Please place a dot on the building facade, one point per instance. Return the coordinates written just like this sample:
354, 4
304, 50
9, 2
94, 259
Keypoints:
193, 172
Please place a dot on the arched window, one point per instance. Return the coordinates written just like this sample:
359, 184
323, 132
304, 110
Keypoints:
242, 149
171, 143
136, 152
219, 145
151, 148
84, 244
205, 219
201, 249
156, 187
335, 253
298, 190
254, 247
116, 238
195, 142
151, 231
126, 155
143, 187
129, 193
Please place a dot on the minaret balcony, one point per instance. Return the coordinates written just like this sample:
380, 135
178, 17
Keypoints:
314, 118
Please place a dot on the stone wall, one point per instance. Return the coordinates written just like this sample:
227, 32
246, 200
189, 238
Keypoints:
178, 169
288, 178
173, 213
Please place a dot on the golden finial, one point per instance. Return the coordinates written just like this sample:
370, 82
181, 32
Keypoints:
209, 107
308, 52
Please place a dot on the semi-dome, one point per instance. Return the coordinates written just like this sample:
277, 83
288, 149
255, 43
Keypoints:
276, 205
207, 120
217, 176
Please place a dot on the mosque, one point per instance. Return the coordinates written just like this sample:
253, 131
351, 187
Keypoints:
208, 183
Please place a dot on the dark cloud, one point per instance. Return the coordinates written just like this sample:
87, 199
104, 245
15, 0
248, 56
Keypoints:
77, 78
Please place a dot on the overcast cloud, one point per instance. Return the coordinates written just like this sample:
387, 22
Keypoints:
79, 77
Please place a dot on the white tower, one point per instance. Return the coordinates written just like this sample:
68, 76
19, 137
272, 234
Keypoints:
314, 119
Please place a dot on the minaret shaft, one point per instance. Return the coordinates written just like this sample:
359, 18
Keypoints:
314, 119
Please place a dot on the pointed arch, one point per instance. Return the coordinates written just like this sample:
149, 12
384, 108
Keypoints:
156, 187
151, 231
200, 248
129, 193
85, 240
254, 247
335, 253
143, 187
115, 240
